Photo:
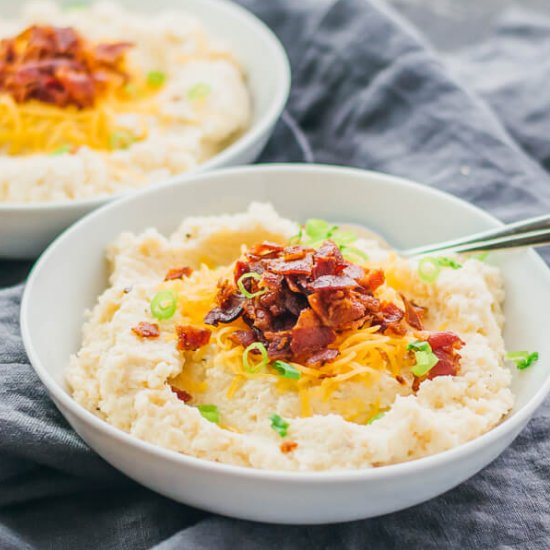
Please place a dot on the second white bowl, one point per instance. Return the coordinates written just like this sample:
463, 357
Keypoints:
26, 229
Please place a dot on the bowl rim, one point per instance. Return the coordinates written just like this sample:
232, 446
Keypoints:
280, 63
62, 399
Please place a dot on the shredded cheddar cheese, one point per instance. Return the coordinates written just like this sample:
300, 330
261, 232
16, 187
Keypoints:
365, 355
35, 127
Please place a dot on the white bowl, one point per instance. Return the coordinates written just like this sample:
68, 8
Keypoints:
26, 229
71, 274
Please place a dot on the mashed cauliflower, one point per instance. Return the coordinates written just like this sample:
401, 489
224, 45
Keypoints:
202, 106
132, 382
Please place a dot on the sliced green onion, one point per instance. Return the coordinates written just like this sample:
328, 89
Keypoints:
263, 352
75, 6
443, 261
210, 412
244, 292
522, 359
319, 230
156, 78
375, 417
61, 150
279, 424
426, 359
481, 257
286, 370
199, 91
121, 140
164, 304
343, 238
419, 345
429, 269
351, 253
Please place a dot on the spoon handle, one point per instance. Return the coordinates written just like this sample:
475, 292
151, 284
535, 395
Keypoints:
531, 232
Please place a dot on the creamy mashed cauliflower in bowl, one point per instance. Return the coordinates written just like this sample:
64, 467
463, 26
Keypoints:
103, 98
244, 348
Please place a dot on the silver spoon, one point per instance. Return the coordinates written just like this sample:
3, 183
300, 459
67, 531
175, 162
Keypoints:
530, 232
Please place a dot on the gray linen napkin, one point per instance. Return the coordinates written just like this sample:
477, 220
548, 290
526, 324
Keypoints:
368, 92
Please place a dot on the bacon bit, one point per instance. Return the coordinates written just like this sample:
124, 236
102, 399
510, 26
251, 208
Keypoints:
230, 305
57, 66
146, 330
319, 358
309, 336
243, 337
182, 394
288, 446
391, 318
295, 252
192, 338
401, 380
334, 282
178, 273
412, 313
445, 346
309, 296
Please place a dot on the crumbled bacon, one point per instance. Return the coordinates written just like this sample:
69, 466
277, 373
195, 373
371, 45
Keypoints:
230, 305
192, 338
182, 394
413, 313
302, 298
178, 273
146, 330
445, 346
57, 66
243, 337
288, 446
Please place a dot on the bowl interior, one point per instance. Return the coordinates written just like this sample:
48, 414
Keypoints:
72, 272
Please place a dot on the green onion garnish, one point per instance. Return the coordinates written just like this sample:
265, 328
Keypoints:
351, 253
481, 257
156, 78
429, 267
210, 412
164, 304
199, 91
443, 261
279, 424
121, 140
375, 417
319, 230
286, 370
263, 352
244, 292
419, 345
61, 150
522, 359
343, 238
426, 359
74, 6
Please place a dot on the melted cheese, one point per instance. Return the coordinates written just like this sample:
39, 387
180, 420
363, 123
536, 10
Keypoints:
365, 355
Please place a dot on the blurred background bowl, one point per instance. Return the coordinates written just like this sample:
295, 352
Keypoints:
26, 229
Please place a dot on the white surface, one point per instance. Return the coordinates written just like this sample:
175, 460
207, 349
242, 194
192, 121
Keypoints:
71, 273
26, 229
